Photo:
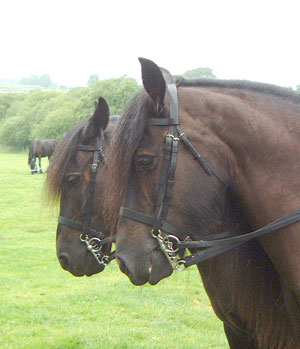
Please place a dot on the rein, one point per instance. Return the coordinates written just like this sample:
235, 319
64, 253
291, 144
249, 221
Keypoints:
99, 243
167, 236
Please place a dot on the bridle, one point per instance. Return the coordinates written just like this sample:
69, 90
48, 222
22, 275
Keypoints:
99, 244
169, 238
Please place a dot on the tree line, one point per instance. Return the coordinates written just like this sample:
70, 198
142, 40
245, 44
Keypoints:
49, 114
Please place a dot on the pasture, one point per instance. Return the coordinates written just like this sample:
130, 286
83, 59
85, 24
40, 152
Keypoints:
43, 306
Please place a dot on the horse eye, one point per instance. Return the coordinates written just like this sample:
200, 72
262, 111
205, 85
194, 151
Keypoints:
73, 178
144, 161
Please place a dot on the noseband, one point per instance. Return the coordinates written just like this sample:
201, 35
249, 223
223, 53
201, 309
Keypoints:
99, 244
169, 238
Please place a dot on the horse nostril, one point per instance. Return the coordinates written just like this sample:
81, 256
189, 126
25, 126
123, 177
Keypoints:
64, 260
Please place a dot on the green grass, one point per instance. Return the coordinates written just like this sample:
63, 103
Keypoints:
43, 306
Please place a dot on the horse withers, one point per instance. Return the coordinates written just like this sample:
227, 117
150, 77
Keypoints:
40, 148
225, 158
77, 164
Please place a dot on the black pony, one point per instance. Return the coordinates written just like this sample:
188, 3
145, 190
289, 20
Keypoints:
40, 148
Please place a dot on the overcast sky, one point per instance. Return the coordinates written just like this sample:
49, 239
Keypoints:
72, 39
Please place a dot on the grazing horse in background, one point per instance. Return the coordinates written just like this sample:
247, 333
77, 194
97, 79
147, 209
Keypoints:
69, 179
40, 148
230, 163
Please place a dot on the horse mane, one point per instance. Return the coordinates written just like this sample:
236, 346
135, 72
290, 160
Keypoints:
126, 139
60, 160
259, 87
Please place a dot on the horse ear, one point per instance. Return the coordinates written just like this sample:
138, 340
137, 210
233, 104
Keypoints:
101, 114
99, 120
153, 81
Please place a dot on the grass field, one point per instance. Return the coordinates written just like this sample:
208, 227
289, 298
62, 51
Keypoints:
43, 306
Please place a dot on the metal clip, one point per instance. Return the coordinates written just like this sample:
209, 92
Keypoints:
94, 246
173, 137
94, 168
169, 246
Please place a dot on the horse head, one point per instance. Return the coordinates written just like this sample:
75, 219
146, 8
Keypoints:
142, 171
77, 161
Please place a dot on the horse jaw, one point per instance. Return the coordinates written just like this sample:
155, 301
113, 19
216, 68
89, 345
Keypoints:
150, 266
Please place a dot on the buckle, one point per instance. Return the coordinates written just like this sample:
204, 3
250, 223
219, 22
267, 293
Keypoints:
94, 168
177, 139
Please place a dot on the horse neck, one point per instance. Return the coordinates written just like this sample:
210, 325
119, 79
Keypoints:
244, 288
31, 151
260, 139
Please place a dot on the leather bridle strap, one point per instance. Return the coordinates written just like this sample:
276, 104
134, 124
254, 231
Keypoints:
280, 223
98, 237
79, 227
214, 248
167, 175
165, 226
88, 208
146, 219
209, 170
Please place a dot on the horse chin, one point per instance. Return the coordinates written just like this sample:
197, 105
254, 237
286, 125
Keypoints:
152, 270
88, 270
99, 269
160, 268
85, 266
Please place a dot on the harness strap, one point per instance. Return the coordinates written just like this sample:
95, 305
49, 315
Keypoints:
167, 175
88, 148
208, 253
88, 207
280, 223
214, 248
79, 227
146, 219
208, 169
165, 226
162, 121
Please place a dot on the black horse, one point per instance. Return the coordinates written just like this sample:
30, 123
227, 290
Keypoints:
40, 148
76, 166
195, 161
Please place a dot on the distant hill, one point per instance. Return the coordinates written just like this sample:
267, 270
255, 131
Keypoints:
6, 87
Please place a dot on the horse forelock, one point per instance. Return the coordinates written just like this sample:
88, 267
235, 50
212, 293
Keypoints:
127, 137
60, 160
